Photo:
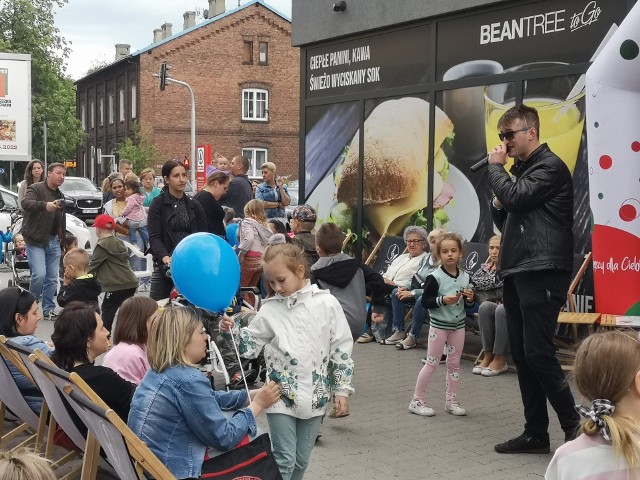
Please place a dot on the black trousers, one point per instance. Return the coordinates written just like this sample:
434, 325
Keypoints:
111, 304
161, 285
532, 301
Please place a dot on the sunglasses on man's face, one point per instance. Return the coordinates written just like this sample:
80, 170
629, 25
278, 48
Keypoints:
509, 134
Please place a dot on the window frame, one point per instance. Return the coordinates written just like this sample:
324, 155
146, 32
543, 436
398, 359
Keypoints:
121, 105
253, 170
83, 116
253, 92
110, 101
266, 53
101, 111
134, 101
249, 60
92, 114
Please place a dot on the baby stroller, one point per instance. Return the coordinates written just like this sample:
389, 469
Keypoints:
17, 260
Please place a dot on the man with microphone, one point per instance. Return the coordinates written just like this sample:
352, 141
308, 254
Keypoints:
534, 211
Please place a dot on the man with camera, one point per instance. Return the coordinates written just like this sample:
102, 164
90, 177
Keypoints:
44, 228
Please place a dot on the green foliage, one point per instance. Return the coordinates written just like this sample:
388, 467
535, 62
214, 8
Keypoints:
27, 26
140, 151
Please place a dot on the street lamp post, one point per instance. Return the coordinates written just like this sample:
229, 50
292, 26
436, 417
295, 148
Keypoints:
164, 79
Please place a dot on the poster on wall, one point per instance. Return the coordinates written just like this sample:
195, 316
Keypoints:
15, 107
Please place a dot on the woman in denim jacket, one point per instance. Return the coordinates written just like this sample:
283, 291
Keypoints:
176, 412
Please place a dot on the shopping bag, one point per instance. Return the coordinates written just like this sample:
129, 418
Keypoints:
249, 460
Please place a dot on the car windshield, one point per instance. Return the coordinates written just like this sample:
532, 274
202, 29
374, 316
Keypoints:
10, 201
78, 184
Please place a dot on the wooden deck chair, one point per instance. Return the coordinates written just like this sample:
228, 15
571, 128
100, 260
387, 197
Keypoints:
347, 240
91, 459
11, 398
129, 456
373, 253
60, 415
574, 318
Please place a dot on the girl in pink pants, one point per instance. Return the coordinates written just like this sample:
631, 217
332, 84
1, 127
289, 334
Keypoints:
446, 291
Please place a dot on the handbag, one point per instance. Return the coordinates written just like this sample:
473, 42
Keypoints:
249, 459
492, 295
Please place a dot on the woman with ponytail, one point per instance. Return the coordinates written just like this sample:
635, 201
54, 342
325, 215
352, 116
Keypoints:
607, 374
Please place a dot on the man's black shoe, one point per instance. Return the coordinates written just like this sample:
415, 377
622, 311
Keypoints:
571, 434
525, 443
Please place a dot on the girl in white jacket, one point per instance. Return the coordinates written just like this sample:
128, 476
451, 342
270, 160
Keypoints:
308, 345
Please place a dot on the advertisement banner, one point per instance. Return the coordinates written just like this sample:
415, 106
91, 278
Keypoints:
15, 107
203, 164
567, 32
613, 100
369, 64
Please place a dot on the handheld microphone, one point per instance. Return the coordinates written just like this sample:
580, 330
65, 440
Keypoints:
481, 164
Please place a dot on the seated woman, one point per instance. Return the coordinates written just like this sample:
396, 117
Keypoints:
175, 411
19, 317
128, 357
79, 337
398, 278
492, 319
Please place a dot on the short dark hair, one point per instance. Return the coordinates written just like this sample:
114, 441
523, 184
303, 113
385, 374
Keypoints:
131, 326
244, 161
54, 165
132, 185
126, 161
329, 238
73, 328
521, 112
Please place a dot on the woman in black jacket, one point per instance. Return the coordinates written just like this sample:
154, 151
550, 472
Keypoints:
172, 217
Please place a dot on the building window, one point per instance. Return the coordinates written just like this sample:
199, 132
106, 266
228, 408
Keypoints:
255, 104
247, 53
134, 108
263, 57
101, 111
110, 106
92, 113
257, 157
121, 104
83, 116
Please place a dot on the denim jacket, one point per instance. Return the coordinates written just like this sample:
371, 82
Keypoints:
178, 415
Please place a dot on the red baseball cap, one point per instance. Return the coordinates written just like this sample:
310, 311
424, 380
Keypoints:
105, 222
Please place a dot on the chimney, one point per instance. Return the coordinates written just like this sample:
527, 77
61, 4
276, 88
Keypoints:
157, 35
122, 50
166, 30
216, 7
189, 20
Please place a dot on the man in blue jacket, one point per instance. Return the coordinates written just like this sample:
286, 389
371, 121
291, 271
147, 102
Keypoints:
534, 211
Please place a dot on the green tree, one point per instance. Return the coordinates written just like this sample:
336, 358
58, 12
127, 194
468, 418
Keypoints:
140, 151
27, 26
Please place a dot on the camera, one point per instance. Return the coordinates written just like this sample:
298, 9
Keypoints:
340, 6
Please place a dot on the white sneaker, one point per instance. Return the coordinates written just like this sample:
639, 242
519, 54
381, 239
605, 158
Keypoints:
397, 337
421, 408
455, 409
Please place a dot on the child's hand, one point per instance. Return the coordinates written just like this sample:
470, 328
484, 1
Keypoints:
340, 406
377, 317
451, 299
226, 324
468, 294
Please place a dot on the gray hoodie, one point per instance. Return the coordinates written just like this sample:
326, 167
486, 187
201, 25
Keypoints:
253, 236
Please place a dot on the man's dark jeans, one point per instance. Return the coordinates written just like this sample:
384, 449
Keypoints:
532, 301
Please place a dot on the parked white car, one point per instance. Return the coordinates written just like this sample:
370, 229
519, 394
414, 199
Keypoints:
75, 226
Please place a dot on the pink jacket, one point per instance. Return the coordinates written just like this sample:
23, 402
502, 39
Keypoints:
127, 360
134, 209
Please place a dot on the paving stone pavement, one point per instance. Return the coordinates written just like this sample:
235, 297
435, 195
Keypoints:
381, 439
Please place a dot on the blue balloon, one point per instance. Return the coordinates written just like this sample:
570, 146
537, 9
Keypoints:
232, 234
205, 269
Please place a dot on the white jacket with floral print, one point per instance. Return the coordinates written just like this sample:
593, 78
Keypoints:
307, 349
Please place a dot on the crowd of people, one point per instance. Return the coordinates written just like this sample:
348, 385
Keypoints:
316, 302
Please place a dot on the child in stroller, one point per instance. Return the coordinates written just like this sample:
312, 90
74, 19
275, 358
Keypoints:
17, 255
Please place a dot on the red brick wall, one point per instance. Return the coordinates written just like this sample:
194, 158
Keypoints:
210, 59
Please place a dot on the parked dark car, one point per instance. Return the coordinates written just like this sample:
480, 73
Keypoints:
86, 196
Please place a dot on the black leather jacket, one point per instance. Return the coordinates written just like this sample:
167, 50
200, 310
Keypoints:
536, 218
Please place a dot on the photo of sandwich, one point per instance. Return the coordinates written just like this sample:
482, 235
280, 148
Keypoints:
396, 143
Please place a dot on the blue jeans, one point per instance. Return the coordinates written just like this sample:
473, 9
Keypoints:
292, 439
399, 309
44, 263
420, 315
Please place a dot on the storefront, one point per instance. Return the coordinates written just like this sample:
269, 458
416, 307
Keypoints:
395, 117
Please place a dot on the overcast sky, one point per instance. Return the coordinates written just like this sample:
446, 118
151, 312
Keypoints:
94, 26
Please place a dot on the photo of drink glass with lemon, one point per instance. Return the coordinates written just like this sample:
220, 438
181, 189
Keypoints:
561, 118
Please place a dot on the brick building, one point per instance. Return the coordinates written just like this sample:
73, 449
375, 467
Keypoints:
245, 77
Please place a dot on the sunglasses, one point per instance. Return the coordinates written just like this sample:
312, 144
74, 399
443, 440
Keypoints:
509, 134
